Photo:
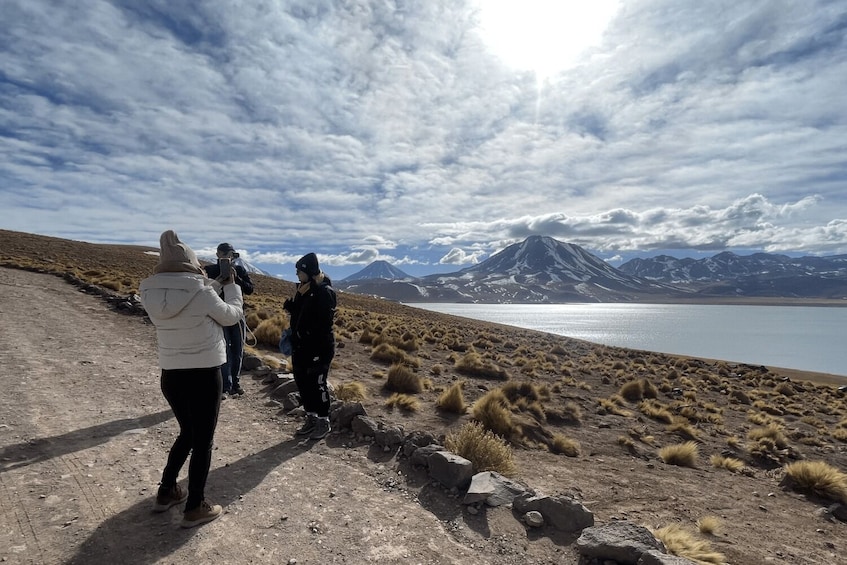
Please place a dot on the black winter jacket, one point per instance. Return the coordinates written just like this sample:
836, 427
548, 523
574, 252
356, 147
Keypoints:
312, 318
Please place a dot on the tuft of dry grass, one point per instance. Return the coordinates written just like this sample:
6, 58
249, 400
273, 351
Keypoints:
563, 445
493, 412
387, 353
402, 379
818, 477
486, 450
403, 402
683, 544
729, 463
267, 331
453, 399
772, 432
351, 392
710, 525
681, 454
473, 365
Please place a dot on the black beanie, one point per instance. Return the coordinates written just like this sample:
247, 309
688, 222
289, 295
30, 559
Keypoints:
309, 265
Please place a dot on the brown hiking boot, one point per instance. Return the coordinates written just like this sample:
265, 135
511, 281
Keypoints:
170, 497
204, 513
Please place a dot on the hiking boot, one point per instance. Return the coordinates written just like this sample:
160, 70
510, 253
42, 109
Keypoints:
308, 426
169, 497
204, 513
237, 390
321, 428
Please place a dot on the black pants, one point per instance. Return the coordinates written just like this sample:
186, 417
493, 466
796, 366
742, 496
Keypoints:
195, 397
311, 377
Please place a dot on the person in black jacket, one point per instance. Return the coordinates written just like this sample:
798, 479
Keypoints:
312, 311
234, 335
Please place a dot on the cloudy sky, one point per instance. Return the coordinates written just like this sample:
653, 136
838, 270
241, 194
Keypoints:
428, 133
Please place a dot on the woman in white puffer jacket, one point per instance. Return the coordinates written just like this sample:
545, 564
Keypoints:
189, 317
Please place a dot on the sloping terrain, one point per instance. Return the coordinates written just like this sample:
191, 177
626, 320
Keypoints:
84, 432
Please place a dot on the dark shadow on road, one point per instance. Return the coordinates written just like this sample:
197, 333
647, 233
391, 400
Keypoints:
137, 536
44, 449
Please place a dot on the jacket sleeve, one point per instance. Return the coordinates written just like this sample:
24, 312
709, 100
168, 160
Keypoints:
243, 280
229, 312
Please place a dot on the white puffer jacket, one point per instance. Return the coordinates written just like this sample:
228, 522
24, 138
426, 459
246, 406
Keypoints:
189, 315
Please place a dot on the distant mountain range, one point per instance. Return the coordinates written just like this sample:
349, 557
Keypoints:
544, 270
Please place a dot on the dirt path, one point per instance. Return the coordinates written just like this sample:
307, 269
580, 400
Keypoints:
84, 432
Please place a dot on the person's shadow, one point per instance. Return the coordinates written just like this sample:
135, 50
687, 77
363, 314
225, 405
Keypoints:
137, 536
43, 449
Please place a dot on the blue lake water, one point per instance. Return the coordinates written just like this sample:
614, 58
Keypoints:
793, 337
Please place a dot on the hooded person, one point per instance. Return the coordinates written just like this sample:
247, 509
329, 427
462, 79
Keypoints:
312, 310
189, 316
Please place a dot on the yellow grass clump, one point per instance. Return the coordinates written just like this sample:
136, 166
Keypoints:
710, 525
818, 477
681, 454
403, 402
484, 449
473, 365
729, 463
682, 543
350, 392
493, 413
453, 399
267, 331
402, 379
563, 445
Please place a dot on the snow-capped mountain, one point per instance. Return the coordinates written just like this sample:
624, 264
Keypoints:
382, 270
759, 274
537, 270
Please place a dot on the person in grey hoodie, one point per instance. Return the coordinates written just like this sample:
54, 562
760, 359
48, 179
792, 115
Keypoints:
189, 316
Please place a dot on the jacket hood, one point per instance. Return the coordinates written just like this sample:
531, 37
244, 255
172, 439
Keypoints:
165, 295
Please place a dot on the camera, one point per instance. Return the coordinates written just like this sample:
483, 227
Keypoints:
225, 265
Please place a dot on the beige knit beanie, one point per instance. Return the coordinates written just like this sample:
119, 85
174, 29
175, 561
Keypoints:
175, 256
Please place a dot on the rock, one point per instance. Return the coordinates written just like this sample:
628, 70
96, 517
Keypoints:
623, 542
492, 488
450, 470
534, 519
563, 513
655, 557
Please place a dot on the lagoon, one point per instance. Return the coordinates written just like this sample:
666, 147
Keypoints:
806, 338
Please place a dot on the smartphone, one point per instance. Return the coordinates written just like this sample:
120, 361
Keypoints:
225, 265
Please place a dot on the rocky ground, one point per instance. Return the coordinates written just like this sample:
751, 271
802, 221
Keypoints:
84, 432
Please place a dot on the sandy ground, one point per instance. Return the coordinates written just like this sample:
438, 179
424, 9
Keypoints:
84, 432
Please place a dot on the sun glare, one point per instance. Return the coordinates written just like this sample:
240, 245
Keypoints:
544, 36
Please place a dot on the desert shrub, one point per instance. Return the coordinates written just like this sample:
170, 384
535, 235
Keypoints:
772, 432
684, 430
473, 365
570, 412
683, 544
558, 350
709, 525
389, 354
818, 477
680, 454
656, 410
350, 392
403, 402
367, 337
268, 331
453, 399
402, 379
729, 463
611, 406
563, 445
515, 391
632, 391
484, 449
840, 434
494, 413
785, 389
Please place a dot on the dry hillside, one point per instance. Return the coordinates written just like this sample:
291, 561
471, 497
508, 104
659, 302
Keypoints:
656, 439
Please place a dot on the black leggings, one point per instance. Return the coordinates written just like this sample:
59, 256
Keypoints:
195, 398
